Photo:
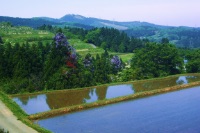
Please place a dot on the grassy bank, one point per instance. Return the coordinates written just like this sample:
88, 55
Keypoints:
19, 113
110, 101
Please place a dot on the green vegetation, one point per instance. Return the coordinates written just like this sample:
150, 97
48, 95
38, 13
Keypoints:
193, 64
83, 49
157, 60
29, 66
113, 40
186, 37
19, 113
34, 22
22, 35
31, 61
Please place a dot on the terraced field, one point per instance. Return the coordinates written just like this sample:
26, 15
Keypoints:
26, 34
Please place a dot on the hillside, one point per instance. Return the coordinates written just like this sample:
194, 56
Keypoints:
30, 22
72, 19
23, 34
96, 22
181, 36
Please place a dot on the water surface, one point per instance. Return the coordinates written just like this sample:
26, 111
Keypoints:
45, 102
33, 104
174, 112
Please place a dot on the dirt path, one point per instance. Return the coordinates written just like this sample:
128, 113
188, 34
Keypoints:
9, 122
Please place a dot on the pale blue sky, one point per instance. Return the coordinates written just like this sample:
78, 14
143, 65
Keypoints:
164, 12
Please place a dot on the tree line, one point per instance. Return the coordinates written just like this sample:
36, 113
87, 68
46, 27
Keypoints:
36, 67
106, 38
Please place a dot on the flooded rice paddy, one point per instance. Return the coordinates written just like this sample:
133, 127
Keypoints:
174, 112
32, 104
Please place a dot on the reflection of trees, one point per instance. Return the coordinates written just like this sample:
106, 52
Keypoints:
154, 84
192, 78
73, 97
101, 92
67, 98
163, 83
25, 99
182, 80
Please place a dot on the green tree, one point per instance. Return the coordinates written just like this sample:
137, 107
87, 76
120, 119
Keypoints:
2, 61
1, 41
93, 37
121, 48
55, 60
165, 40
157, 60
193, 65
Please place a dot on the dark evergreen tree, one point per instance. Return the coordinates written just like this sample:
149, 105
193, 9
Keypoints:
1, 41
165, 40
2, 61
8, 56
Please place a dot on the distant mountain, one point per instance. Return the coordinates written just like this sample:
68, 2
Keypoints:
71, 20
95, 22
30, 22
181, 36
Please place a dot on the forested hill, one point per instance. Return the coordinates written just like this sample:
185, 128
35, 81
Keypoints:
37, 22
188, 37
30, 22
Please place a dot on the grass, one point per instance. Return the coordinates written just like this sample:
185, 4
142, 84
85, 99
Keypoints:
126, 57
79, 45
84, 48
19, 113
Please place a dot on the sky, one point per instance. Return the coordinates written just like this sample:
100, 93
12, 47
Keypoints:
162, 12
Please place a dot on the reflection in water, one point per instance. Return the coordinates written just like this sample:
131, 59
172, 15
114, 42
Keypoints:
162, 83
59, 99
32, 104
174, 112
119, 90
93, 96
184, 79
